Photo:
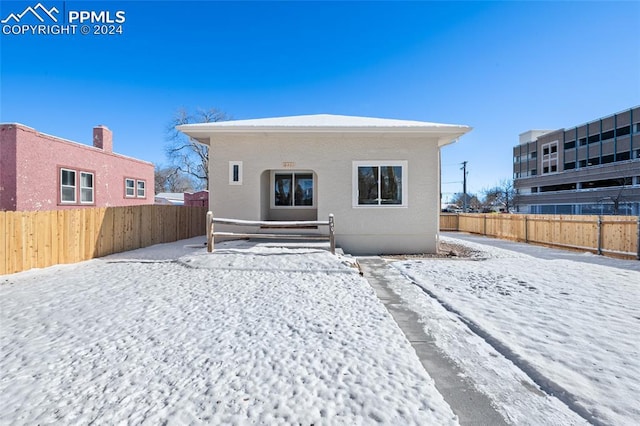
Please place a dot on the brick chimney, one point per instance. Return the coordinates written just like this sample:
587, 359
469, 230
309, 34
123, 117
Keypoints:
103, 138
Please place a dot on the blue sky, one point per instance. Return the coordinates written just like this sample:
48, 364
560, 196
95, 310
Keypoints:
500, 67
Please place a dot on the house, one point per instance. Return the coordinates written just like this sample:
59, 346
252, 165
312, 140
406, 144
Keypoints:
43, 172
379, 177
592, 168
190, 199
170, 198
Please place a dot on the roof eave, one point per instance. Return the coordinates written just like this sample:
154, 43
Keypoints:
446, 134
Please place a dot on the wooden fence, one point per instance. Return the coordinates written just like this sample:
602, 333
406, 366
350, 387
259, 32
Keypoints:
609, 235
43, 238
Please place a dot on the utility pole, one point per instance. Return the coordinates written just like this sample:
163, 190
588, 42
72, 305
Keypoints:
464, 186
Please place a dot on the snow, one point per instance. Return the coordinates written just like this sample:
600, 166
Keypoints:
259, 333
171, 334
568, 328
321, 120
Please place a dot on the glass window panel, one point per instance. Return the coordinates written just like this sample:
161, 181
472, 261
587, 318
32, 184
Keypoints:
68, 194
236, 173
141, 186
68, 177
304, 189
86, 195
391, 184
282, 189
367, 185
129, 187
86, 180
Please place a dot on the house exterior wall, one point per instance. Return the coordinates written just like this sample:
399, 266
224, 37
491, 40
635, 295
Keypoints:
31, 170
359, 230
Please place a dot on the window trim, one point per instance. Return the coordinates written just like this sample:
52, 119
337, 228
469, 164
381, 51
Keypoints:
272, 187
232, 165
92, 187
404, 164
75, 186
133, 187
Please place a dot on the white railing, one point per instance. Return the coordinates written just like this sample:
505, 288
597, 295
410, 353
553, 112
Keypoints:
212, 233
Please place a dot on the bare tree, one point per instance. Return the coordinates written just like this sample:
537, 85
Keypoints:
187, 155
472, 201
170, 179
503, 194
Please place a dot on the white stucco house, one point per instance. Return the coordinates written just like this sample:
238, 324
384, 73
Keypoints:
379, 177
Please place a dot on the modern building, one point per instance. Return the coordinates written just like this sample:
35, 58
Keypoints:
379, 177
43, 172
593, 168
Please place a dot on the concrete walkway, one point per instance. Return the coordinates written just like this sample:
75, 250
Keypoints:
548, 253
471, 406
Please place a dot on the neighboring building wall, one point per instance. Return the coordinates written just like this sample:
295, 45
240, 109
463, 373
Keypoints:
35, 172
330, 157
200, 198
593, 165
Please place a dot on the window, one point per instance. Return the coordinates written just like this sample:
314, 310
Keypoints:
235, 172
293, 189
550, 157
570, 144
129, 188
141, 185
86, 188
380, 183
67, 186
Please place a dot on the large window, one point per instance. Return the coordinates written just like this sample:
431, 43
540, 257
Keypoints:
142, 185
67, 186
86, 188
293, 189
76, 185
380, 183
129, 188
135, 188
550, 157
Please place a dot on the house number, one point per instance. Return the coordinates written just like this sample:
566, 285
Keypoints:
288, 164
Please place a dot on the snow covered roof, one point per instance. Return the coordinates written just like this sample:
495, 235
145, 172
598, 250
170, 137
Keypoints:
321, 123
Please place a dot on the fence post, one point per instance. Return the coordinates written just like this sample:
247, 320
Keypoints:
526, 229
638, 242
484, 226
210, 231
600, 235
332, 234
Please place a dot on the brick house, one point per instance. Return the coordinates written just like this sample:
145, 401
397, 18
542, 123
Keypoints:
43, 172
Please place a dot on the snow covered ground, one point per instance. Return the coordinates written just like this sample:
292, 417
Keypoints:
573, 328
249, 334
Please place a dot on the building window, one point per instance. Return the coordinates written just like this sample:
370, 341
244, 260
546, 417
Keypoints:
67, 186
86, 188
381, 183
293, 189
129, 187
550, 157
141, 189
235, 172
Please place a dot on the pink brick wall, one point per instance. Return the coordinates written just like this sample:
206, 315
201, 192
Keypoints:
32, 166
